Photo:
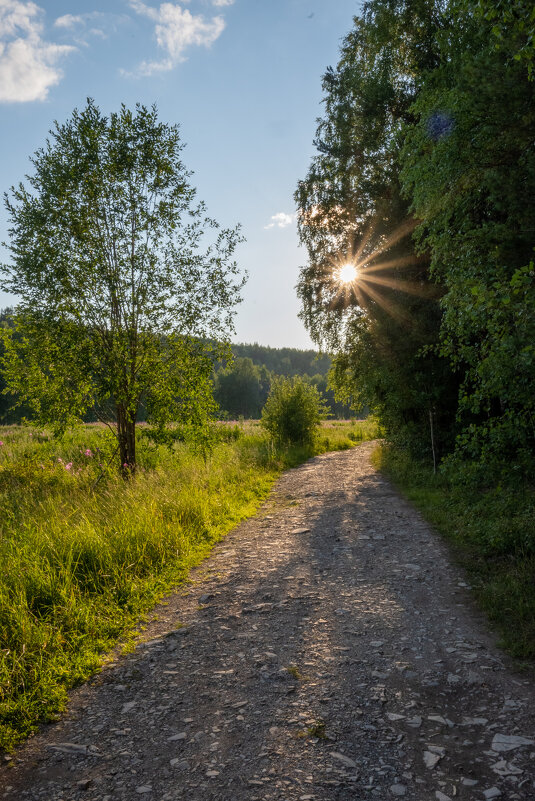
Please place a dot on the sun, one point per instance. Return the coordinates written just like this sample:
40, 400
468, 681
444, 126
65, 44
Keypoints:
347, 273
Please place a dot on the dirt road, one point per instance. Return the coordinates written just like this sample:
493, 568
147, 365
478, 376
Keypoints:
326, 650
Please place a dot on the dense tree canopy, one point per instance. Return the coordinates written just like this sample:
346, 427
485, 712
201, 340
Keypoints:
241, 389
473, 188
122, 278
424, 181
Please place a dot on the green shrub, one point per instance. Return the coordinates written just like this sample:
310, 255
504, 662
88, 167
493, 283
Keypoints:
293, 412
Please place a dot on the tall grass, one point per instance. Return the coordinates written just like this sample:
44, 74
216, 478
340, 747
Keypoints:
82, 556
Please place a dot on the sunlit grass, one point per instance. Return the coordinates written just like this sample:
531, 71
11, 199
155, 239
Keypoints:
82, 559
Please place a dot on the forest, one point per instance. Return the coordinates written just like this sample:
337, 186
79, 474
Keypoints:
424, 183
241, 388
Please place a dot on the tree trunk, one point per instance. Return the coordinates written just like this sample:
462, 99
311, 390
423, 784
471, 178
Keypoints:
126, 435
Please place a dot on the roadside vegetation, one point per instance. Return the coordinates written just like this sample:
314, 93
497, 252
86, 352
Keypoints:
85, 553
492, 535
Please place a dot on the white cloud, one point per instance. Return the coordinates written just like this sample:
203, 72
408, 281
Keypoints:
281, 220
28, 64
69, 21
222, 3
176, 29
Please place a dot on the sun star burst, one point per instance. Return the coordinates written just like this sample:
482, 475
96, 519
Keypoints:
347, 273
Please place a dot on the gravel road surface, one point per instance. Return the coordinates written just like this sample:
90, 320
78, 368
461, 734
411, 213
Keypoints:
327, 649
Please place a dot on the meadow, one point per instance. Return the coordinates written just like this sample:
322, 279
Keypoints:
85, 554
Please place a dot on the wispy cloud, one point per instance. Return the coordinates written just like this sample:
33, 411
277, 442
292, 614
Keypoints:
93, 23
222, 3
280, 220
176, 30
69, 21
28, 64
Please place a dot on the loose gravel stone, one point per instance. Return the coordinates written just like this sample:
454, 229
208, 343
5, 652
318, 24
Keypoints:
493, 792
508, 742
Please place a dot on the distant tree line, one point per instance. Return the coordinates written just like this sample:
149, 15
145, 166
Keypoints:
285, 361
242, 388
8, 414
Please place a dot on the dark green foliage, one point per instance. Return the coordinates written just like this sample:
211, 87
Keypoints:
11, 410
512, 27
293, 412
429, 125
241, 389
337, 408
473, 188
284, 361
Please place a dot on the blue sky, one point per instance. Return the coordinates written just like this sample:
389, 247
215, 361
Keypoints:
242, 77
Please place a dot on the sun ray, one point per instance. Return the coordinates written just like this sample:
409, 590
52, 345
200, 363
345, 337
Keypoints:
400, 233
360, 296
410, 287
399, 263
385, 304
363, 242
357, 275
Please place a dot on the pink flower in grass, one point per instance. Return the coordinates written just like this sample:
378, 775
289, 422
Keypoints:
88, 452
1, 443
68, 466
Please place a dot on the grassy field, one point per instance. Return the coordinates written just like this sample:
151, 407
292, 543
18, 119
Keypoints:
84, 553
492, 534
